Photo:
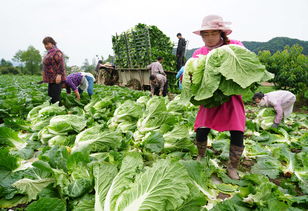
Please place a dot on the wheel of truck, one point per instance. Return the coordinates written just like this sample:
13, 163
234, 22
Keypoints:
107, 77
134, 84
114, 77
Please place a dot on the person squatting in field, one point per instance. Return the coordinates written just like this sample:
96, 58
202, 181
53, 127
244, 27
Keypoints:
53, 69
282, 101
230, 116
158, 78
158, 85
79, 82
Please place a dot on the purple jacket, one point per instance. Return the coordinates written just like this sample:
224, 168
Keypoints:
73, 81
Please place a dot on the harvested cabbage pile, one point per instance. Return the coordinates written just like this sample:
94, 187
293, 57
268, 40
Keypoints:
228, 70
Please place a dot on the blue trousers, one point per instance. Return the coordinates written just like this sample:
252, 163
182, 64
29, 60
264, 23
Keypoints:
90, 86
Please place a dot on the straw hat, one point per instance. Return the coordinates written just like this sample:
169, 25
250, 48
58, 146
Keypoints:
214, 22
108, 64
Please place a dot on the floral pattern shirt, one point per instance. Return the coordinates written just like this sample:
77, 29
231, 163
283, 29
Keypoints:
53, 65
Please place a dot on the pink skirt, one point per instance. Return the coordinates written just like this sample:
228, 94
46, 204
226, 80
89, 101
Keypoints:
226, 117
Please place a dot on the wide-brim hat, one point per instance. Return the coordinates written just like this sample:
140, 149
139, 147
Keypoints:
108, 64
214, 22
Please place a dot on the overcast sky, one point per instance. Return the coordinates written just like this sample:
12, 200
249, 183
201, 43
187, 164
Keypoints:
83, 28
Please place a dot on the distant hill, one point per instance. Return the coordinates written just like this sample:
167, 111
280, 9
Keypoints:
273, 45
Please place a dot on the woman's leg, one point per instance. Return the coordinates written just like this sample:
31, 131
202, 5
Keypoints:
237, 138
236, 150
54, 91
49, 89
90, 85
156, 91
165, 91
288, 107
201, 141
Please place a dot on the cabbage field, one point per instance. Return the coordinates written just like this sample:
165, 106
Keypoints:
122, 150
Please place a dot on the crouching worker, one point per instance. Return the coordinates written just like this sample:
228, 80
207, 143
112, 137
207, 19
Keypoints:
282, 101
79, 82
159, 85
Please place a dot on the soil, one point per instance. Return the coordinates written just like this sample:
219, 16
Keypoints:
248, 163
300, 107
296, 150
223, 196
276, 181
267, 84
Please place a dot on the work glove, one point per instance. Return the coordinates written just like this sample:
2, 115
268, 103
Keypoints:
275, 125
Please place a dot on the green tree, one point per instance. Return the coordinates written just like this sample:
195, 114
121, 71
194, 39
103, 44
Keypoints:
4, 63
87, 67
109, 59
6, 67
290, 67
30, 59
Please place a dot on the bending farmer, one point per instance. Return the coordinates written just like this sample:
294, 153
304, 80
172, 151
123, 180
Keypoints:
282, 101
159, 85
79, 82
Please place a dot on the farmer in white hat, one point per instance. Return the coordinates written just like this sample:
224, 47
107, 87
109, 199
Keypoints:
281, 100
229, 116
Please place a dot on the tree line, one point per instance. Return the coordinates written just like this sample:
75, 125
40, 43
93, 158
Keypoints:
276, 44
29, 62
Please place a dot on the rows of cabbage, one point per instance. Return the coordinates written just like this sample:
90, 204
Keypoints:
20, 94
136, 153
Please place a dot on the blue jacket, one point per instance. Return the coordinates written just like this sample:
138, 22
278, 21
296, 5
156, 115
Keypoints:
178, 75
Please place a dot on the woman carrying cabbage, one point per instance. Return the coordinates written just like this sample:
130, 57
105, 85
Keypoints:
229, 116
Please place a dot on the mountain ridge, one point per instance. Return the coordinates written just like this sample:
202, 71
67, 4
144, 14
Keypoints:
273, 45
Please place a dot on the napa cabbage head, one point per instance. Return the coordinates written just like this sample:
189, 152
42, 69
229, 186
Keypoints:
154, 115
265, 118
66, 123
94, 139
45, 110
228, 70
125, 116
192, 76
